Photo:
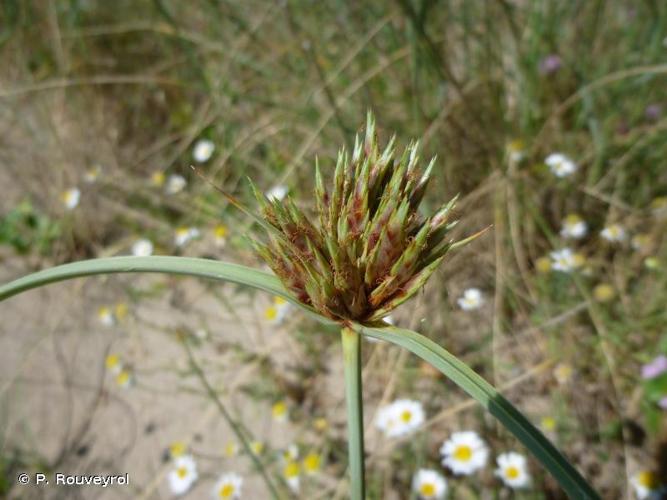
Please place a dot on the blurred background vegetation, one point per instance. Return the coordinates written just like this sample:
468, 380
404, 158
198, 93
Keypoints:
126, 88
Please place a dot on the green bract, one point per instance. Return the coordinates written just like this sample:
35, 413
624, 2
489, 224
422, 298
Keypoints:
370, 249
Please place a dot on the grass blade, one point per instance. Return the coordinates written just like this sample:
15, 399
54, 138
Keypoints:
203, 268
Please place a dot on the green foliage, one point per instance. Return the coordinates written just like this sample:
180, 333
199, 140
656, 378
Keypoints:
26, 229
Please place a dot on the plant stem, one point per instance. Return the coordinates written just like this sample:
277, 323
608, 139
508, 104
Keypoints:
355, 412
230, 421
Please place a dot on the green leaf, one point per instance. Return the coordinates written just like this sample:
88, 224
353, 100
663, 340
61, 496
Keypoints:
203, 268
513, 420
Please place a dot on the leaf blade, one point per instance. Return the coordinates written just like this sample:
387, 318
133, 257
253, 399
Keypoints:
203, 268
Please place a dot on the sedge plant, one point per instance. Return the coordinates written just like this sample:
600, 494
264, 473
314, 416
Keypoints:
367, 250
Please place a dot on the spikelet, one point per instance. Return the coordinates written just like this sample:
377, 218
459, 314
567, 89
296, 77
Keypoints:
371, 250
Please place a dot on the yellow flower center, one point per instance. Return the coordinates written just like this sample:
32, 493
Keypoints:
548, 423
572, 220
647, 480
257, 447
177, 449
121, 310
563, 372
157, 178
271, 313
279, 301
516, 145
123, 378
406, 416
463, 453
603, 292
512, 472
311, 462
543, 264
321, 424
641, 241
220, 231
659, 202
563, 261
112, 360
181, 472
279, 409
291, 470
226, 491
427, 489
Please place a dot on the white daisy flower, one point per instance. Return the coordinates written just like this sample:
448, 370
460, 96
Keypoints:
291, 453
291, 472
203, 150
560, 165
644, 483
401, 417
279, 411
113, 364
613, 233
175, 184
220, 234
384, 419
641, 242
257, 447
142, 248
277, 312
513, 470
548, 424
70, 198
183, 475
231, 449
92, 174
464, 453
185, 235
563, 373
277, 192
472, 299
574, 227
201, 333
516, 150
659, 207
106, 316
124, 379
429, 484
565, 260
228, 487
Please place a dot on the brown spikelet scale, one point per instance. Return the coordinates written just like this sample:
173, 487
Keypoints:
368, 249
